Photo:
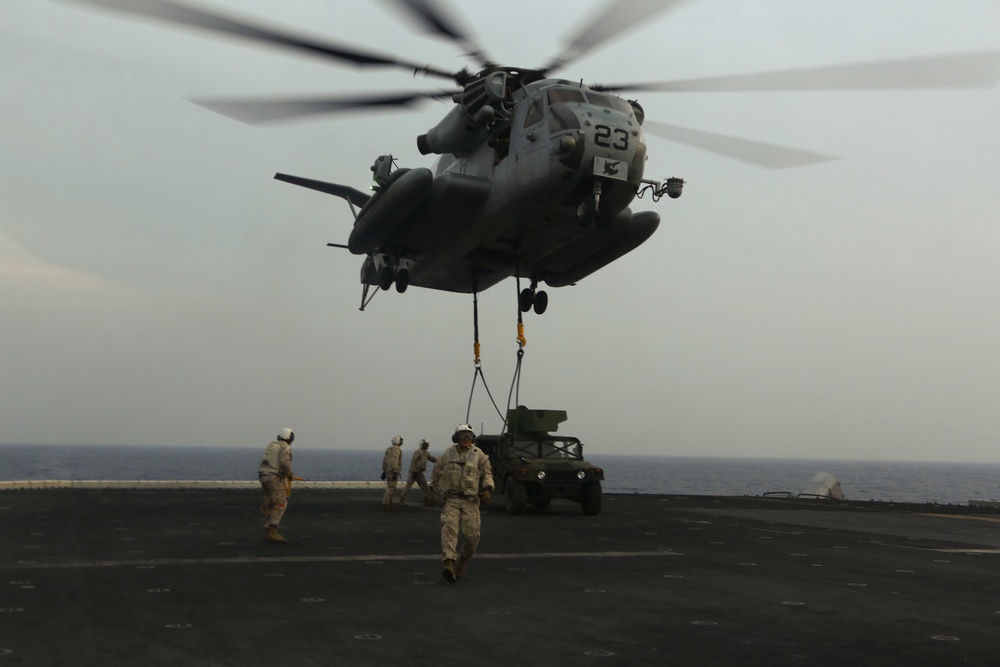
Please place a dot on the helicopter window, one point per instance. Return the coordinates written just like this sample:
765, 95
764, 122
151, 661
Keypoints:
600, 100
565, 95
534, 114
616, 103
561, 119
622, 105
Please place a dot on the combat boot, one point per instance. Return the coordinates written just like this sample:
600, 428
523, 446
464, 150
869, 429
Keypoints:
449, 571
401, 502
463, 562
273, 535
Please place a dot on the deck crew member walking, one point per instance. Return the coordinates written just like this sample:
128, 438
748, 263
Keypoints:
418, 464
392, 463
464, 478
274, 472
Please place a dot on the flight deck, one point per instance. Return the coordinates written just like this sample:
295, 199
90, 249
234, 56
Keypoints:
94, 576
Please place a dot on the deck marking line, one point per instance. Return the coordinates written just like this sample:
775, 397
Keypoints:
963, 516
324, 559
947, 550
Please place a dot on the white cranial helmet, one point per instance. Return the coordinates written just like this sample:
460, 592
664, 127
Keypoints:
287, 435
463, 428
397, 439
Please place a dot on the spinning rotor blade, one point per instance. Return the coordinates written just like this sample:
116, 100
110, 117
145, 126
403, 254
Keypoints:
432, 16
769, 156
259, 111
974, 70
174, 12
615, 19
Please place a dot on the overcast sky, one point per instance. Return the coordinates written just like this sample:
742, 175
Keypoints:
157, 286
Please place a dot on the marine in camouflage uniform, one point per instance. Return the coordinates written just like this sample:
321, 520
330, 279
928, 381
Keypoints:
418, 464
464, 478
274, 471
392, 463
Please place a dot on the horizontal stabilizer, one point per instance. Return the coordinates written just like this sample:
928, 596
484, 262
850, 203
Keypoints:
356, 197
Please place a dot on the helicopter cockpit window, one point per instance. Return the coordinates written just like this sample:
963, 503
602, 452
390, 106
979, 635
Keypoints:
622, 105
534, 114
565, 95
562, 119
599, 100
616, 103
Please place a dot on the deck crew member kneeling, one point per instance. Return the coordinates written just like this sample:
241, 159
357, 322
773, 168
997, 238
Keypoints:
464, 478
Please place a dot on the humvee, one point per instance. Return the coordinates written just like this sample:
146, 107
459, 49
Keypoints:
532, 465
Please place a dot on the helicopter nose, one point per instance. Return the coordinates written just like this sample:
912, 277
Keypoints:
618, 150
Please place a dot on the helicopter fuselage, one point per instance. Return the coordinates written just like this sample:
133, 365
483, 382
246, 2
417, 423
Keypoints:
543, 194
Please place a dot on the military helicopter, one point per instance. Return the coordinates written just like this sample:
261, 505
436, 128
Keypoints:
536, 173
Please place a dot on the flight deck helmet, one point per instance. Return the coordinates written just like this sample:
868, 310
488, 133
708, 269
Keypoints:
397, 440
462, 428
287, 435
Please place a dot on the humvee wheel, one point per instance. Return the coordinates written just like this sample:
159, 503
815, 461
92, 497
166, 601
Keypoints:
517, 497
591, 502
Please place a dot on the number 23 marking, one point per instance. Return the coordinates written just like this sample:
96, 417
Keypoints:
603, 137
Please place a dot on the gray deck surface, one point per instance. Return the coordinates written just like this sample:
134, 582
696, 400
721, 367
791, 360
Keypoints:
182, 577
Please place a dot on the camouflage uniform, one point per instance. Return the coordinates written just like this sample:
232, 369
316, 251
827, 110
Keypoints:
460, 476
392, 463
275, 468
418, 464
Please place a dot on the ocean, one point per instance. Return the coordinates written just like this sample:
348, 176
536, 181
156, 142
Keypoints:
944, 483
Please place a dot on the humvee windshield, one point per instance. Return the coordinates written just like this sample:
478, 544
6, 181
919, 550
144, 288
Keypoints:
549, 448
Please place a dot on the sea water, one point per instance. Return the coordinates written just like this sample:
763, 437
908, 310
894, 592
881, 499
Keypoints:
900, 481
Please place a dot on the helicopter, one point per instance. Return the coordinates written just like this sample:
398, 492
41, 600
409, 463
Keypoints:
535, 174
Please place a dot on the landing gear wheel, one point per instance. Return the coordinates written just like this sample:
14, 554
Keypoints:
541, 302
525, 299
402, 280
385, 277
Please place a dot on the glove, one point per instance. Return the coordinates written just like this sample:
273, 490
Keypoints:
383, 475
485, 497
